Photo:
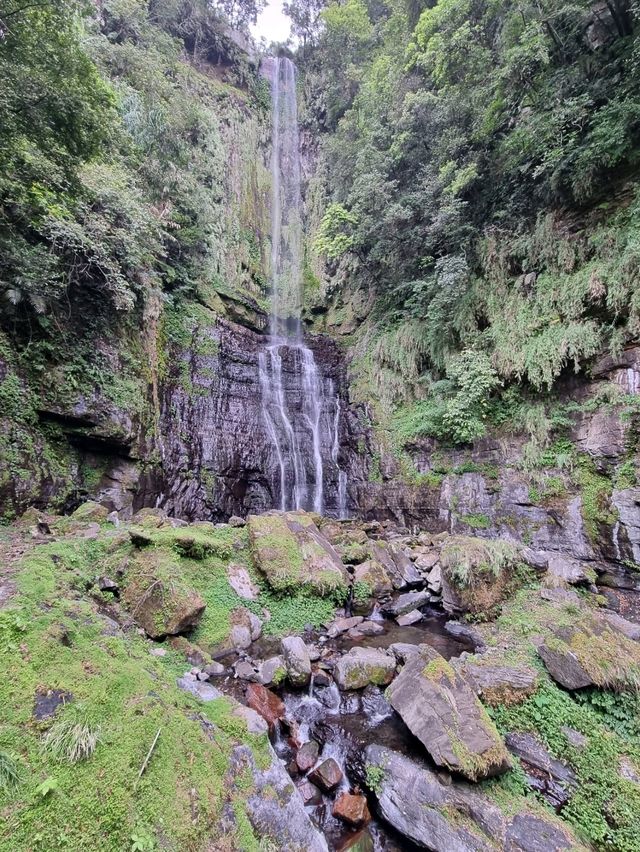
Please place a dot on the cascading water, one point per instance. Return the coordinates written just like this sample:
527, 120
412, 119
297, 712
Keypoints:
302, 414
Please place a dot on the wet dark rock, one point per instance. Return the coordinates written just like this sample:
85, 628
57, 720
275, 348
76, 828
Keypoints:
327, 775
106, 584
322, 678
442, 711
311, 795
553, 778
47, 702
360, 842
442, 816
266, 703
352, 809
406, 603
362, 666
307, 755
296, 660
465, 633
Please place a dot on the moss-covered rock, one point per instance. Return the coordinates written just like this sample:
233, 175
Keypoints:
444, 713
156, 595
293, 554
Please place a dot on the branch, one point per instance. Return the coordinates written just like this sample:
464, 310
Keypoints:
148, 757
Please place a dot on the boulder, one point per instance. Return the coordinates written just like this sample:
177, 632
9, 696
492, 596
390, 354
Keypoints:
156, 596
396, 563
436, 814
444, 713
406, 603
293, 554
565, 569
273, 806
311, 795
327, 775
498, 684
351, 809
273, 671
214, 669
192, 653
266, 703
434, 579
409, 618
296, 660
307, 755
591, 653
553, 778
236, 521
372, 576
91, 511
366, 628
241, 582
426, 561
246, 670
341, 625
466, 633
202, 690
362, 666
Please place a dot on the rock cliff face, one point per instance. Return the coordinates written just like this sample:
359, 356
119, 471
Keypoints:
576, 501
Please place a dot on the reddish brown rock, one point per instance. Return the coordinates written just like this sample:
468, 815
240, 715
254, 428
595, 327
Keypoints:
352, 809
311, 795
266, 703
327, 776
307, 756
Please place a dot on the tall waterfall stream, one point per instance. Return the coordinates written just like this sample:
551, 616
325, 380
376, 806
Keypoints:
304, 429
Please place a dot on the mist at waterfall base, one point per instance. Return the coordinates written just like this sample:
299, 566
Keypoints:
304, 428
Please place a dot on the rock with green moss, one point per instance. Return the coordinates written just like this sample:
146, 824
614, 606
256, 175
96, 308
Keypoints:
362, 666
496, 682
439, 814
443, 712
91, 511
478, 574
372, 579
293, 554
157, 597
590, 653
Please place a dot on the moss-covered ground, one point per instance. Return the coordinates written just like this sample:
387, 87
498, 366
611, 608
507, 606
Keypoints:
54, 637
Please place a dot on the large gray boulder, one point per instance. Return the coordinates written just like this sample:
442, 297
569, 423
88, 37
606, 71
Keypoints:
363, 666
296, 660
396, 563
442, 816
443, 712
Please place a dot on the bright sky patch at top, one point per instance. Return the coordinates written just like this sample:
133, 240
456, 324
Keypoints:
272, 24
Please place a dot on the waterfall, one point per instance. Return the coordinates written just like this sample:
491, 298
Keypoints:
301, 408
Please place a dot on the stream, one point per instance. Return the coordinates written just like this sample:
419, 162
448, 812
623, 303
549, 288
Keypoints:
343, 723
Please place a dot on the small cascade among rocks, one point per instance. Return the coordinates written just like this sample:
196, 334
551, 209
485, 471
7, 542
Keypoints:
303, 427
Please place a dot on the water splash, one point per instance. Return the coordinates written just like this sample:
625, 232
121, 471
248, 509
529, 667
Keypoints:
304, 431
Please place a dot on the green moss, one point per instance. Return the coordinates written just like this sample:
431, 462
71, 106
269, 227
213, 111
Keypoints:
476, 521
115, 684
374, 776
595, 491
604, 807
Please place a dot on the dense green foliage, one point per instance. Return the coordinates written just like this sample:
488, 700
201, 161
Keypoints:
479, 174
112, 150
